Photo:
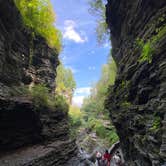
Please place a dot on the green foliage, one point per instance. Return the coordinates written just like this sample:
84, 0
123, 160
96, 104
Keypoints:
156, 123
161, 32
126, 104
112, 137
148, 48
42, 99
147, 52
124, 84
76, 119
65, 83
94, 104
101, 131
39, 16
76, 116
97, 8
40, 95
58, 102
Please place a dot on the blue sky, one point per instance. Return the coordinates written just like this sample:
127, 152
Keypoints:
81, 52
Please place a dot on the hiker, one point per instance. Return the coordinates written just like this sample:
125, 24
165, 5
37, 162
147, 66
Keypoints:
117, 159
107, 158
98, 158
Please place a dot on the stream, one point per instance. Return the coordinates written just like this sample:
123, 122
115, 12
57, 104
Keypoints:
89, 143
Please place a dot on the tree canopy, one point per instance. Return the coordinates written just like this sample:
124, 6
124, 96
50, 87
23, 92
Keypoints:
94, 104
97, 8
65, 82
39, 16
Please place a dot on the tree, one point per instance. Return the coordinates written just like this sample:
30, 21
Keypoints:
94, 104
65, 82
97, 8
39, 16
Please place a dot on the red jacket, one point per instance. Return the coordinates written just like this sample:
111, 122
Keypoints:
107, 156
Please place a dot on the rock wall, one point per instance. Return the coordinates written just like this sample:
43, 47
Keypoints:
137, 102
28, 136
24, 59
33, 138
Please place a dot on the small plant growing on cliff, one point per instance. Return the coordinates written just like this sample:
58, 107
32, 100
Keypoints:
126, 104
43, 99
156, 123
39, 16
148, 48
39, 95
59, 103
147, 52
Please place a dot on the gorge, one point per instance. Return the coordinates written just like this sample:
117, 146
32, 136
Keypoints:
40, 136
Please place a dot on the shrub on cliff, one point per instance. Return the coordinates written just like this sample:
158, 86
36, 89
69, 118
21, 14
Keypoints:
58, 102
39, 95
75, 120
39, 16
42, 99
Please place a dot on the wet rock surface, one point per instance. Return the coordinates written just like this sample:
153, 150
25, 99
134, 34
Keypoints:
137, 102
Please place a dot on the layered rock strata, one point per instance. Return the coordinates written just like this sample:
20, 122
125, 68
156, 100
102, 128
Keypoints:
29, 136
137, 102
24, 59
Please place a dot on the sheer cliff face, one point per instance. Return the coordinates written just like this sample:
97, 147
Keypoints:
137, 102
25, 60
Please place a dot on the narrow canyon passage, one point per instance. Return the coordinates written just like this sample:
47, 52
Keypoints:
64, 97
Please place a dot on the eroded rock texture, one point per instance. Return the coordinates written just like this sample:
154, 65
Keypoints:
28, 136
33, 138
137, 102
24, 59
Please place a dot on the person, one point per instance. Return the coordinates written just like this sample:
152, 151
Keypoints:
107, 158
117, 159
98, 157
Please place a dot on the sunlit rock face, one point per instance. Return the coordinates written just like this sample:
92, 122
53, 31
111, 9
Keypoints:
137, 102
28, 136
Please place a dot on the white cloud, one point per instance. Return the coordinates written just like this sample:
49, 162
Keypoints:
71, 34
82, 91
74, 71
80, 94
106, 45
78, 100
92, 68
